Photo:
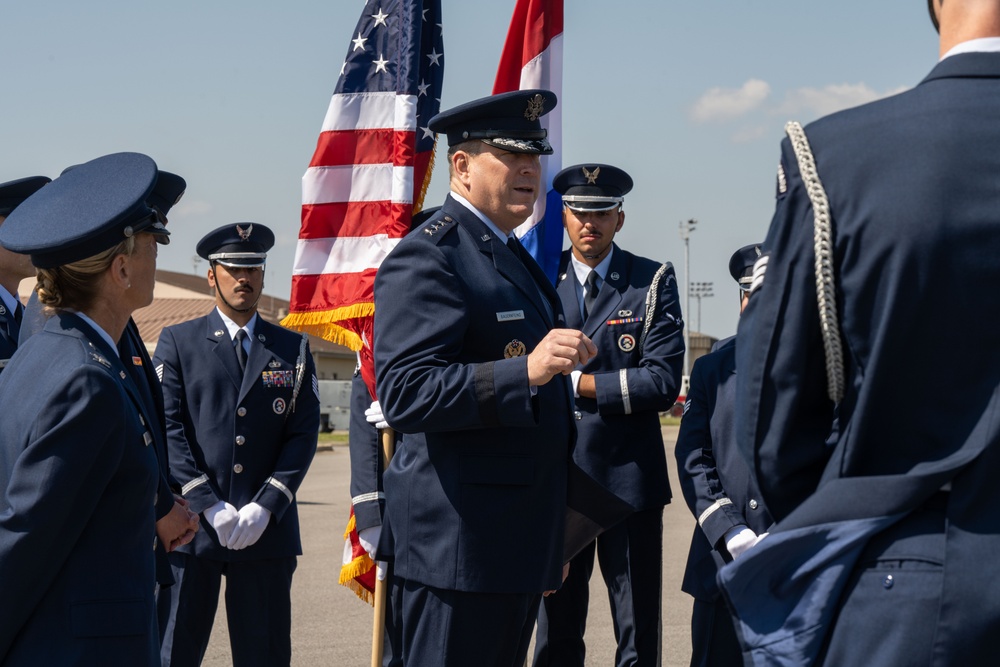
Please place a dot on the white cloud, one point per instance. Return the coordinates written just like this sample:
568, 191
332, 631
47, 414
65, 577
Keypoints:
191, 207
816, 102
723, 104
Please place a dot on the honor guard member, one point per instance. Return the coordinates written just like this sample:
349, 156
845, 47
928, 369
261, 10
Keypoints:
718, 486
472, 367
628, 306
14, 267
242, 411
887, 226
78, 471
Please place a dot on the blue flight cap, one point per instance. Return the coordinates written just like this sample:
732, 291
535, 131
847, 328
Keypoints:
12, 193
167, 192
243, 244
592, 187
508, 121
85, 211
741, 265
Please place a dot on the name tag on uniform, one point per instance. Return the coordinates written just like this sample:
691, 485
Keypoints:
510, 315
277, 378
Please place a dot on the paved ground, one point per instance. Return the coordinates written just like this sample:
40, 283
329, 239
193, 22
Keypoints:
332, 627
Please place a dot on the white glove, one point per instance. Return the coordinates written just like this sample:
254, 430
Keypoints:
253, 521
368, 538
222, 517
575, 377
738, 540
375, 417
759, 538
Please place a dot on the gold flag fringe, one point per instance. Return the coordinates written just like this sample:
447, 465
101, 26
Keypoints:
324, 323
349, 572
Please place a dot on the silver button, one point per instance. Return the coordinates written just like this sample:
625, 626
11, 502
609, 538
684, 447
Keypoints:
238, 468
753, 504
242, 412
240, 440
578, 415
888, 582
154, 544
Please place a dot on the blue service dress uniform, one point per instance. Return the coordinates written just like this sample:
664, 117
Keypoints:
476, 493
10, 327
913, 194
619, 444
720, 490
236, 437
77, 533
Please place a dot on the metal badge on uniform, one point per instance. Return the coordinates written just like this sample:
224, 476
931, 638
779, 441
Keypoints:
218, 333
278, 406
626, 342
624, 313
137, 361
274, 363
614, 275
514, 348
3, 310
147, 438
277, 379
100, 359
510, 315
262, 338
122, 373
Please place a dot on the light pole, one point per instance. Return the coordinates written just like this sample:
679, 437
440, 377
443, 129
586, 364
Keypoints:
686, 227
699, 291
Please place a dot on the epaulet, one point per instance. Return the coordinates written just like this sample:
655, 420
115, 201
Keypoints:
437, 228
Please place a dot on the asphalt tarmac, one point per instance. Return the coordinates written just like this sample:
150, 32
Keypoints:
331, 627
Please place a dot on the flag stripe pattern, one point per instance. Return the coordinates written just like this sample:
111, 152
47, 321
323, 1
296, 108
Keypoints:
370, 168
532, 58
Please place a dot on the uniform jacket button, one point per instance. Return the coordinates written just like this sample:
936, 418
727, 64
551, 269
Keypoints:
753, 504
238, 468
240, 440
242, 412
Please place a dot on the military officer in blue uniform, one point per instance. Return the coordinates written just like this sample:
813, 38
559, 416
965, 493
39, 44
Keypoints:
876, 470
242, 411
472, 365
14, 267
718, 486
77, 466
628, 306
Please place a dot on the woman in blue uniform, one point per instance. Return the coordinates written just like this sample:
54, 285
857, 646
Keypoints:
77, 470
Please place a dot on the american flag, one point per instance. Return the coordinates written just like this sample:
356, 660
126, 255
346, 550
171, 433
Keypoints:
532, 58
370, 170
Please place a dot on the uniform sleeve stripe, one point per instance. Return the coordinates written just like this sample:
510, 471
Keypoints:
198, 481
281, 487
626, 400
759, 269
159, 372
721, 502
367, 497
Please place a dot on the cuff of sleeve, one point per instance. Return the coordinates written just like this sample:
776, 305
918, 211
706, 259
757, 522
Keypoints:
511, 393
275, 497
575, 378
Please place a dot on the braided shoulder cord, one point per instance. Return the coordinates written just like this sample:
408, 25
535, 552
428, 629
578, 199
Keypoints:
651, 304
823, 245
300, 371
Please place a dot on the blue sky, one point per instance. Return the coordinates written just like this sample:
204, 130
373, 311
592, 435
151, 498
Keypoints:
689, 98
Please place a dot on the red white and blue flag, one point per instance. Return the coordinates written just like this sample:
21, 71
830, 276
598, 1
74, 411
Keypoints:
532, 58
370, 170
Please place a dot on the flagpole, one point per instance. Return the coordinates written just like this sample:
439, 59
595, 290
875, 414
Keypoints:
381, 585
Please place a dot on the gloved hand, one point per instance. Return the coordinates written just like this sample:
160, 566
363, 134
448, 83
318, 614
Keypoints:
223, 518
738, 540
368, 537
759, 538
252, 522
375, 417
